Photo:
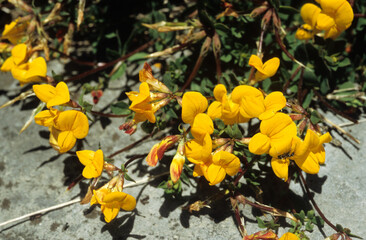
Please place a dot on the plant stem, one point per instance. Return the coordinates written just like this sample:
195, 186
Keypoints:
314, 203
130, 146
109, 64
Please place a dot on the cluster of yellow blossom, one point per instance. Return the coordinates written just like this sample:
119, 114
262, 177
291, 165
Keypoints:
65, 126
213, 158
15, 31
24, 67
333, 17
110, 196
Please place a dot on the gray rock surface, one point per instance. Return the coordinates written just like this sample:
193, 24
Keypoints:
33, 176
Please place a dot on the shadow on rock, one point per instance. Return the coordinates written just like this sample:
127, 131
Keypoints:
120, 228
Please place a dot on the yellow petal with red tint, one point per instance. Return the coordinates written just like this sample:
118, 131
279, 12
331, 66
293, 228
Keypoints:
193, 103
259, 144
152, 158
280, 167
19, 53
85, 156
309, 13
176, 167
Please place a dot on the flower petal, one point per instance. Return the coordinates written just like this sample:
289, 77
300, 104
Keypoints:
202, 125
259, 144
280, 167
61, 96
193, 103
85, 156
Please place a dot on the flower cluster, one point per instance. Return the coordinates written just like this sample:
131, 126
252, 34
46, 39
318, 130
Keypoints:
65, 126
333, 17
25, 66
110, 196
213, 157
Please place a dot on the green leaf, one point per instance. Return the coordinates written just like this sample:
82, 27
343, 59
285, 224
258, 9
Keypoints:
120, 71
236, 133
315, 117
308, 99
309, 226
260, 222
137, 56
120, 108
310, 214
128, 178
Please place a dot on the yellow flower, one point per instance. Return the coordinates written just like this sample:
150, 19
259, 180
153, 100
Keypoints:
157, 151
14, 31
52, 95
199, 151
18, 56
46, 118
32, 71
275, 136
289, 236
145, 75
253, 104
142, 104
266, 70
307, 154
112, 202
193, 103
224, 107
216, 167
333, 18
67, 127
202, 125
93, 162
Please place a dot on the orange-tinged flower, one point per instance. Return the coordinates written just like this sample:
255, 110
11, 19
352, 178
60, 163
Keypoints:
193, 103
18, 56
176, 166
112, 202
52, 95
14, 31
142, 104
93, 162
157, 151
264, 70
275, 137
145, 75
289, 236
